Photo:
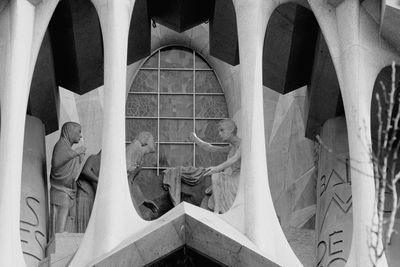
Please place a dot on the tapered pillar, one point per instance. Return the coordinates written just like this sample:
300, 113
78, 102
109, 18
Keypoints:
261, 223
17, 25
358, 72
113, 218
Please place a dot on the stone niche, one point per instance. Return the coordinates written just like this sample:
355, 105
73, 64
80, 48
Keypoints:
334, 219
34, 207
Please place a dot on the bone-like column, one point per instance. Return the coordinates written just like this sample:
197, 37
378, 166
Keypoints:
357, 70
113, 218
16, 26
261, 223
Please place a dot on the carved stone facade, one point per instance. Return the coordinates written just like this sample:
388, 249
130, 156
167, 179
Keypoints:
34, 200
334, 201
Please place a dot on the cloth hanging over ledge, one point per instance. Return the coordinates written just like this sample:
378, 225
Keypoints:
174, 177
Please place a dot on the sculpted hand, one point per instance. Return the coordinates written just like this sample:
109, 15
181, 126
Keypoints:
212, 170
151, 205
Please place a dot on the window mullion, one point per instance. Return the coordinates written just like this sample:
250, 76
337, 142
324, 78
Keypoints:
194, 106
158, 112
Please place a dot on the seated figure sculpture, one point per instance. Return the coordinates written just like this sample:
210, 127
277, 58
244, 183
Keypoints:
224, 177
135, 152
87, 185
65, 166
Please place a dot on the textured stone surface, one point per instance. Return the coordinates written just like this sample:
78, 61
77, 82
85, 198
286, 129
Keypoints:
61, 249
290, 157
334, 195
34, 214
302, 242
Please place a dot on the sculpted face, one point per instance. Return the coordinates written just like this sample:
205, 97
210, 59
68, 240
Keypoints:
225, 132
150, 142
76, 134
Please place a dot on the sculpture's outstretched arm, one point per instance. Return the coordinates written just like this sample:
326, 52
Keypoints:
225, 164
206, 146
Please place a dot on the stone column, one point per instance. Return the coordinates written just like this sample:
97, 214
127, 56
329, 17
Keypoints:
334, 218
16, 29
261, 223
358, 71
34, 199
113, 218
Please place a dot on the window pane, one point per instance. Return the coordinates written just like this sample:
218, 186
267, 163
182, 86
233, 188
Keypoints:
141, 105
207, 159
201, 64
211, 107
175, 130
207, 130
176, 155
151, 62
145, 81
176, 106
135, 126
176, 81
173, 57
207, 82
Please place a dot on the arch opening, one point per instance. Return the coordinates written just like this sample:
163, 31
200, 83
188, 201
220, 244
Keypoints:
175, 92
302, 100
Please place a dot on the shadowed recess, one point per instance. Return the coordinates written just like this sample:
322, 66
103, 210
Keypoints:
324, 96
78, 47
181, 15
289, 46
44, 100
185, 257
139, 40
384, 80
224, 43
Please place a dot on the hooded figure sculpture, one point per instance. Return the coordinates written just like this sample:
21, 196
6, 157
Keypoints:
65, 166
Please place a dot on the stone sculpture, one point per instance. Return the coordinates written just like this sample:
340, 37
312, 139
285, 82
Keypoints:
135, 152
224, 177
65, 165
87, 185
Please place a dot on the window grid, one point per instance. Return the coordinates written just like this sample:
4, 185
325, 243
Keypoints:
194, 105
175, 93
158, 111
159, 118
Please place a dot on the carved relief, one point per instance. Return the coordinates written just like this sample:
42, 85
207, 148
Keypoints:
334, 213
30, 231
34, 214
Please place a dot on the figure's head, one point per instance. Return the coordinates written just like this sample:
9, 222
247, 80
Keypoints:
145, 138
72, 131
227, 129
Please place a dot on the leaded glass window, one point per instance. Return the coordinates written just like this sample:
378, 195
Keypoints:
174, 93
